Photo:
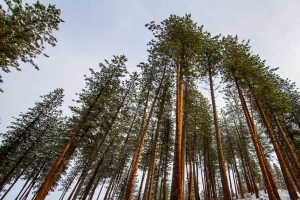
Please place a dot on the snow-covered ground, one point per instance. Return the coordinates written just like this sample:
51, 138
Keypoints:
284, 195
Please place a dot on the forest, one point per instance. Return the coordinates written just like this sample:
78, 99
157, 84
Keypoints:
153, 134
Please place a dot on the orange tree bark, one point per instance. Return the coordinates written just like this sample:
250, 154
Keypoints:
59, 169
296, 181
176, 189
247, 159
196, 185
141, 144
121, 155
221, 159
238, 178
90, 183
42, 190
255, 141
167, 133
97, 150
190, 178
291, 151
288, 182
153, 157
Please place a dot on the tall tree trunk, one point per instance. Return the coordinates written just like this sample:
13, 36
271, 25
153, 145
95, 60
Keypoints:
183, 147
34, 180
139, 152
28, 188
160, 189
113, 190
14, 167
252, 179
78, 181
118, 182
201, 173
176, 189
157, 133
238, 178
249, 189
271, 193
288, 182
166, 161
60, 168
273, 184
90, 183
296, 182
212, 178
287, 143
230, 182
196, 184
7, 191
206, 173
195, 173
235, 181
98, 149
121, 154
70, 182
158, 175
221, 159
24, 186
42, 193
246, 154
191, 175
124, 186
141, 185
146, 189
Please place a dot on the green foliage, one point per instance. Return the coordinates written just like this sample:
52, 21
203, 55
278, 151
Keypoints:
115, 109
24, 30
178, 39
33, 140
28, 123
278, 177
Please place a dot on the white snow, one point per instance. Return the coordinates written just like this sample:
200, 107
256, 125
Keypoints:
284, 195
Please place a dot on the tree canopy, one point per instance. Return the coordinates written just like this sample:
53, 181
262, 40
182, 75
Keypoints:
24, 32
154, 135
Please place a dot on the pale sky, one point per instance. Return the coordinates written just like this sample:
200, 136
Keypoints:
95, 30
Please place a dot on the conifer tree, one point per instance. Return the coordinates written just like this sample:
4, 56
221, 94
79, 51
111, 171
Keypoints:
143, 123
210, 64
178, 40
234, 62
97, 86
278, 177
27, 139
23, 31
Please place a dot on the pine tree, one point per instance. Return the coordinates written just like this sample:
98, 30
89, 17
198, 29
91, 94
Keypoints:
145, 124
24, 145
278, 177
98, 85
178, 40
210, 64
23, 31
